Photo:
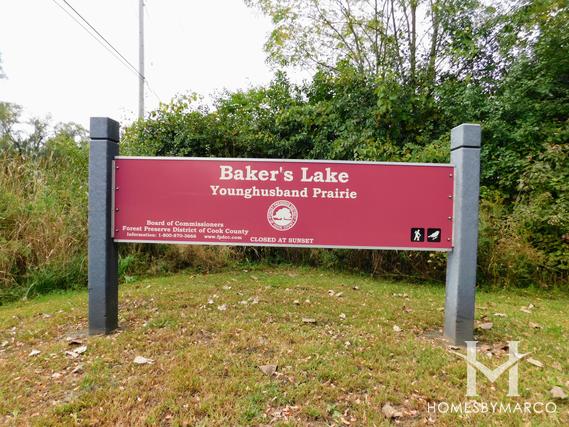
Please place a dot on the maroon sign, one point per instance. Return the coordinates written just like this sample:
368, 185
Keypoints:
283, 203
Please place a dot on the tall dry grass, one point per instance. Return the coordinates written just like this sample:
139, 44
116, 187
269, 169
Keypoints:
43, 216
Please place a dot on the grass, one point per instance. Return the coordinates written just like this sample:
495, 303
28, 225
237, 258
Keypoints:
341, 370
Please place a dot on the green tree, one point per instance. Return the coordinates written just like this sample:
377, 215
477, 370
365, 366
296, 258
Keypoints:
9, 119
12, 136
413, 40
30, 138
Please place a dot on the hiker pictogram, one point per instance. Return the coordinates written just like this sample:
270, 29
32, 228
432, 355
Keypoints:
417, 234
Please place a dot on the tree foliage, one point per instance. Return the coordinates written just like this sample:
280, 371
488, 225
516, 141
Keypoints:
392, 78
412, 41
30, 138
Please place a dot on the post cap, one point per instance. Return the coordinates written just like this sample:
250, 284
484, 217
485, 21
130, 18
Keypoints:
466, 135
104, 128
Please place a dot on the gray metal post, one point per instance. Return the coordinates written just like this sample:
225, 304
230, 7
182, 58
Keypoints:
103, 256
461, 264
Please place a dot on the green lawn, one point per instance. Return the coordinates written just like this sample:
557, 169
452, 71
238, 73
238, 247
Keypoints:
376, 343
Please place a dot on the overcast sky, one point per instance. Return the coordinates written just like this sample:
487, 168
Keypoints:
54, 67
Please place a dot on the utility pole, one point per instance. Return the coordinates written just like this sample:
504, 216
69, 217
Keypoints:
140, 59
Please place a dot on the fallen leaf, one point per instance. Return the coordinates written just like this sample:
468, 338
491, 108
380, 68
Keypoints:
535, 362
500, 347
396, 328
308, 320
356, 288
558, 393
268, 369
535, 325
296, 302
500, 314
331, 292
80, 350
342, 316
141, 360
34, 352
339, 294
390, 412
486, 325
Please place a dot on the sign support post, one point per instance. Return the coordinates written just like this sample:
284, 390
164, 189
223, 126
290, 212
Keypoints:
461, 264
102, 253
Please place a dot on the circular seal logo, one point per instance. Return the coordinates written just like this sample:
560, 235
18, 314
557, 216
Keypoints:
282, 215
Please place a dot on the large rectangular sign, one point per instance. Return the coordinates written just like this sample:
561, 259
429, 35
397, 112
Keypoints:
283, 203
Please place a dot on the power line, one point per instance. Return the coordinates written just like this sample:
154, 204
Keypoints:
92, 35
106, 44
152, 90
102, 37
